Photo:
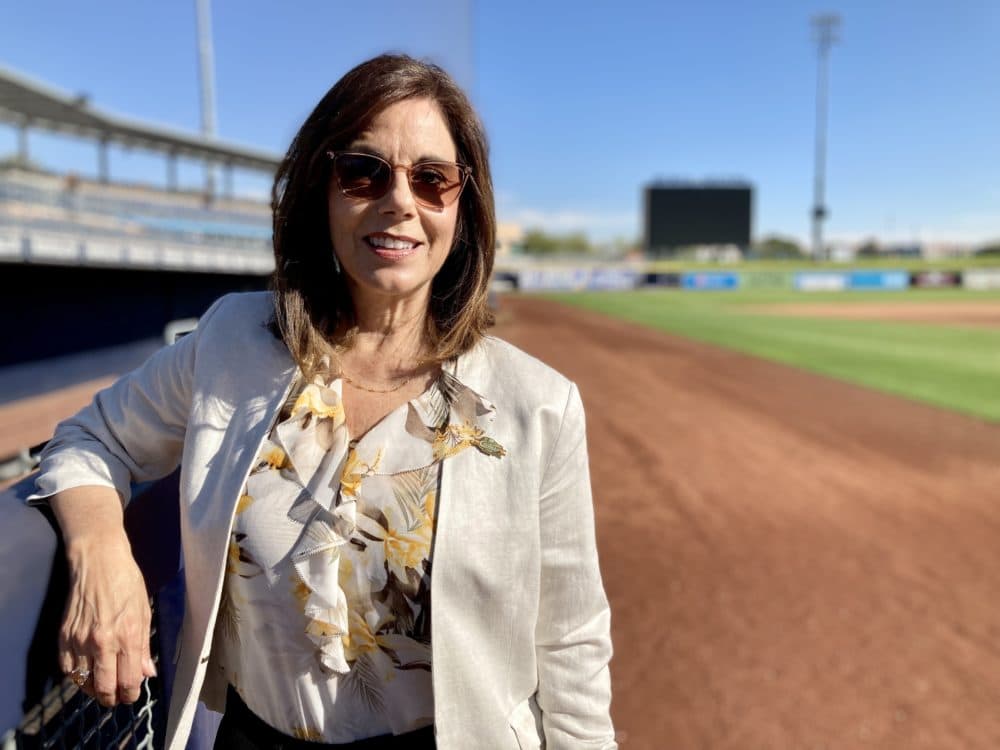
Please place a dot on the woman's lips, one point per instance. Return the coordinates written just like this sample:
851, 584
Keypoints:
391, 247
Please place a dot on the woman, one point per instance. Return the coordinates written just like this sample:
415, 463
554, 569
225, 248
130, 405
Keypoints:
338, 439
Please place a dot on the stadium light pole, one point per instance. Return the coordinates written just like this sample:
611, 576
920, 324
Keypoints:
206, 67
825, 28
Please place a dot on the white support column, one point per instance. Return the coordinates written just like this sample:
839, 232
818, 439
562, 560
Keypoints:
102, 160
23, 154
172, 171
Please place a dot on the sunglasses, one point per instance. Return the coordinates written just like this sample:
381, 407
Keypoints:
434, 184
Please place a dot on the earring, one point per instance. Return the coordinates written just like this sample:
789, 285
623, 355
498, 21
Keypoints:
336, 264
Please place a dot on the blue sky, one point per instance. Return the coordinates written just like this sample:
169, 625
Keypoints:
585, 102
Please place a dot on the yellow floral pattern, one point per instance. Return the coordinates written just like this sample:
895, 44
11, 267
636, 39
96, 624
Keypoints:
274, 457
316, 401
310, 734
330, 562
356, 470
243, 503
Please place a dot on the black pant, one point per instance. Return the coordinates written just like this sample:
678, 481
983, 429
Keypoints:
242, 729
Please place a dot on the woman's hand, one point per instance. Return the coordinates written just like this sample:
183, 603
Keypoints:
105, 627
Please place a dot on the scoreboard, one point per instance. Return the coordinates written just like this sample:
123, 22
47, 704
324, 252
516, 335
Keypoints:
679, 216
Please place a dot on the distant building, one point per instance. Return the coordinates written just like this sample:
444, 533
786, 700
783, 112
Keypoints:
684, 215
940, 250
840, 251
508, 235
913, 250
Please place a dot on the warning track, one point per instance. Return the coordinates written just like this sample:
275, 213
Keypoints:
792, 561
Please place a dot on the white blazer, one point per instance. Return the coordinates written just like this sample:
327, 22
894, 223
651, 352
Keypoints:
520, 640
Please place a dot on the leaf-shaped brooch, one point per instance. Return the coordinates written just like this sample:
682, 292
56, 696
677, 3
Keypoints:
489, 447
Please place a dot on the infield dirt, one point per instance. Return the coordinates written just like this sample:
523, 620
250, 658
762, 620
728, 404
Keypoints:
792, 562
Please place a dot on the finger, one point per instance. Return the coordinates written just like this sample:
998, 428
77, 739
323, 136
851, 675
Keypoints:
145, 658
71, 644
129, 676
79, 672
148, 667
67, 659
105, 678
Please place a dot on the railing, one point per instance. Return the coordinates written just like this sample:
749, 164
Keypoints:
56, 714
42, 223
68, 718
29, 191
24, 243
193, 234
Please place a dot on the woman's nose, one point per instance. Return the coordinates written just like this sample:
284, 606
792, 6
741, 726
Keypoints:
399, 198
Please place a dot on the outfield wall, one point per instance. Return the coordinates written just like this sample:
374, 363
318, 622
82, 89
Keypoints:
596, 278
982, 278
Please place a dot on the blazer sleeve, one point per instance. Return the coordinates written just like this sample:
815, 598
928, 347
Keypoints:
572, 636
132, 431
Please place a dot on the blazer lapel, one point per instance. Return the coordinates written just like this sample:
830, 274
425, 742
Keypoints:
458, 475
209, 494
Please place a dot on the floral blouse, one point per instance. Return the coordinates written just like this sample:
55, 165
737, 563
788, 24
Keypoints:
324, 627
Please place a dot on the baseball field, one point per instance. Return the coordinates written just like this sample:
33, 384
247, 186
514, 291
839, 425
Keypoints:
797, 500
798, 511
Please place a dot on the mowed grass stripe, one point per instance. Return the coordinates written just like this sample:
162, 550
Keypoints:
859, 264
957, 368
847, 297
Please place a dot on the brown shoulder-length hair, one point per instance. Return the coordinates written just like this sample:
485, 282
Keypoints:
313, 310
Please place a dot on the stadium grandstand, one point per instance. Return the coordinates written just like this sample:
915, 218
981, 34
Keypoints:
117, 251
95, 273
51, 218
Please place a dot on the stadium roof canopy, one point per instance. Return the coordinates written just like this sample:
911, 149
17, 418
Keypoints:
28, 103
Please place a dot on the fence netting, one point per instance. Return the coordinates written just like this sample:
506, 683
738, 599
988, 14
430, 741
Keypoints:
66, 718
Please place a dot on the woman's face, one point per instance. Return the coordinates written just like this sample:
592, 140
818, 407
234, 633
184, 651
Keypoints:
390, 248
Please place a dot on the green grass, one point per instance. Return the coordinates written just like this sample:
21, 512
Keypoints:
861, 264
949, 366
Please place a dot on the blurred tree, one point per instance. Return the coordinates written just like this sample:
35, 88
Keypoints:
991, 250
869, 249
539, 242
776, 246
622, 247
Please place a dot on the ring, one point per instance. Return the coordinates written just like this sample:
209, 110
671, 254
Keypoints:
79, 676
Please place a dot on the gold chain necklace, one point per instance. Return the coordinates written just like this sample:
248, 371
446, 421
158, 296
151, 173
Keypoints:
374, 390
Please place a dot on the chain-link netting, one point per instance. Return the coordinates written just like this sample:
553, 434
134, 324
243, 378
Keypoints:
68, 719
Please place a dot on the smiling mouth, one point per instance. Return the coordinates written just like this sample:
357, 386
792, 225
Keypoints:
391, 247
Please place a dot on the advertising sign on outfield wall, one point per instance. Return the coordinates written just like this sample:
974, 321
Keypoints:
882, 280
506, 279
613, 278
981, 278
711, 280
767, 280
820, 281
662, 279
935, 279
553, 280
576, 279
